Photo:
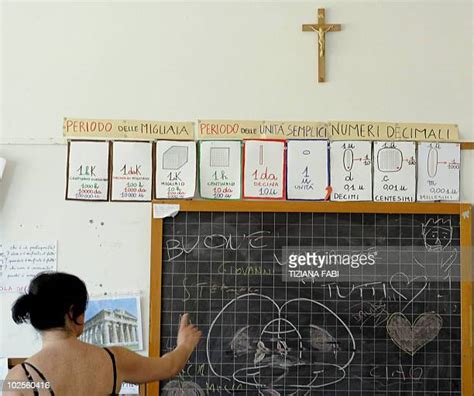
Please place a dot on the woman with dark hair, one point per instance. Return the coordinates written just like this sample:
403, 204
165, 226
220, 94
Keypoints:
55, 306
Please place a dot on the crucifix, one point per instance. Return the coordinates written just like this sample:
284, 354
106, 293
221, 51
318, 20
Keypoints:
321, 28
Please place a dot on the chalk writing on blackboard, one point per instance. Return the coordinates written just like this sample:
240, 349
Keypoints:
280, 347
265, 336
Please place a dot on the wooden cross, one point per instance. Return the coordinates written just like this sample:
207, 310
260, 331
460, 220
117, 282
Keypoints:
321, 28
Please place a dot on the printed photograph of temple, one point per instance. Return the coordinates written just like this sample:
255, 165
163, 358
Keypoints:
113, 322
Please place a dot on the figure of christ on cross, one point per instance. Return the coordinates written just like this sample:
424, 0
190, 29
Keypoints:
321, 28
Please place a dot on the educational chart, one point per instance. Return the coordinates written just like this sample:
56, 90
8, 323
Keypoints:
397, 333
264, 169
132, 171
21, 261
438, 171
220, 169
351, 170
394, 171
307, 169
88, 171
175, 169
114, 321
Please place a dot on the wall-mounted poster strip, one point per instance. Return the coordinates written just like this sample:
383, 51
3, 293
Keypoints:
128, 129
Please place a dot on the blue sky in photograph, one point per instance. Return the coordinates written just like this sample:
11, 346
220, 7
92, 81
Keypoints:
127, 304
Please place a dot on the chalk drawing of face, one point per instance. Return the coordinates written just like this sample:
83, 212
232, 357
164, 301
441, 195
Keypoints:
279, 348
437, 234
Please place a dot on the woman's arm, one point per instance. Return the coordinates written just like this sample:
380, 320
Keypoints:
138, 369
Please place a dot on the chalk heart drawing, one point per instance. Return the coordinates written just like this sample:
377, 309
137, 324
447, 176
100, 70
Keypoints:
408, 288
292, 348
410, 338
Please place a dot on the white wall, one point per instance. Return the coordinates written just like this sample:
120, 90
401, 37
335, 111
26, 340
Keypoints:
393, 61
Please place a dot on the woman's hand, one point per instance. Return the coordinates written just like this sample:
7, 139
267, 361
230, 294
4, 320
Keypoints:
138, 369
188, 334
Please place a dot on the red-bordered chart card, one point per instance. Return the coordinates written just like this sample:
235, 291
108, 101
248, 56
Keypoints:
264, 169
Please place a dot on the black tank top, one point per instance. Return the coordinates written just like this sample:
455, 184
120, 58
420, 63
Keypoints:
43, 378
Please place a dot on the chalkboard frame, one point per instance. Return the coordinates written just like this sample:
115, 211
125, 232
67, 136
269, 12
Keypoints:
464, 210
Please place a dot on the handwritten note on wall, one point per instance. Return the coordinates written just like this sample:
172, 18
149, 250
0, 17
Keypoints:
351, 170
175, 169
132, 171
394, 171
220, 169
22, 261
438, 171
264, 169
307, 169
88, 171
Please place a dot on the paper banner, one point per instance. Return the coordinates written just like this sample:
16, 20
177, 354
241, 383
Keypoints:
175, 169
394, 171
127, 129
233, 129
264, 169
88, 171
438, 171
132, 173
333, 130
307, 169
220, 169
21, 261
360, 130
351, 170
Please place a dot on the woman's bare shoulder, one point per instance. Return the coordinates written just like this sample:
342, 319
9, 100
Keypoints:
16, 373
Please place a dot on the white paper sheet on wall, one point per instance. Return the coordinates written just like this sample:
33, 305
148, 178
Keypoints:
264, 169
132, 171
175, 169
307, 169
351, 170
3, 370
129, 389
88, 171
438, 171
220, 169
394, 171
22, 261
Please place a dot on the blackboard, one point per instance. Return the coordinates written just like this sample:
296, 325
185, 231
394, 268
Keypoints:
400, 332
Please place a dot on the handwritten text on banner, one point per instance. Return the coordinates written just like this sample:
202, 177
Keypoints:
128, 129
334, 130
